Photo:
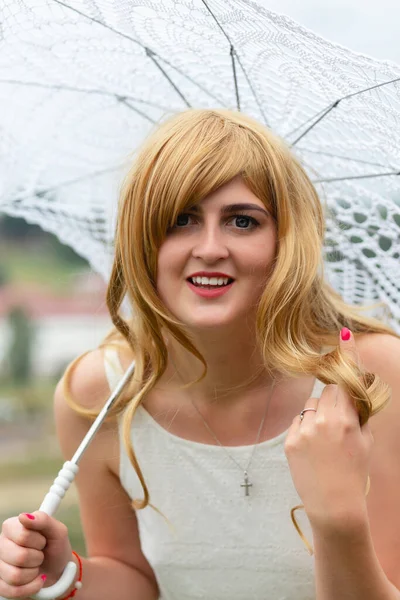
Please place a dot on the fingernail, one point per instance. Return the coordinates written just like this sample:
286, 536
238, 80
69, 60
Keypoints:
29, 516
345, 334
44, 577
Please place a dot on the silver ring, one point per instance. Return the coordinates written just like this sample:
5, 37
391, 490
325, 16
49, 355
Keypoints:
305, 410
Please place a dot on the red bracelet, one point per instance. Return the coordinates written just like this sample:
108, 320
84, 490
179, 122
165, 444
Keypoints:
78, 582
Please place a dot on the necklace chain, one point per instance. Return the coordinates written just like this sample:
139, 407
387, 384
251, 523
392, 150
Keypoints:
246, 483
245, 470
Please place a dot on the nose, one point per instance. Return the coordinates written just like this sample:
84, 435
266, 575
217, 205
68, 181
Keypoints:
210, 244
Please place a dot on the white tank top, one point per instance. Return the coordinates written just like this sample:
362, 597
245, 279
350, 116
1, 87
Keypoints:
223, 545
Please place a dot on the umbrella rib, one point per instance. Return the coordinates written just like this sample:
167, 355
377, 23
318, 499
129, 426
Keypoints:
370, 176
119, 98
196, 83
234, 55
148, 52
151, 55
79, 12
304, 124
123, 100
217, 22
232, 52
252, 89
372, 87
357, 160
325, 112
40, 193
328, 109
69, 88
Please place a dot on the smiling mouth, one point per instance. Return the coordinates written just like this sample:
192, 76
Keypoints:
219, 282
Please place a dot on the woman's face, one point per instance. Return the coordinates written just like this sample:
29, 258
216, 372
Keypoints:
220, 238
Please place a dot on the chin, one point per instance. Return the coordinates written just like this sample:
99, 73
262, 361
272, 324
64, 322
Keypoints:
213, 323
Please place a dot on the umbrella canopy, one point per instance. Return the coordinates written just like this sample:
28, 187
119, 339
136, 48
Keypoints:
82, 82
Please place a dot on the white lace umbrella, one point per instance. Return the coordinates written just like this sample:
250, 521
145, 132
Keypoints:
83, 81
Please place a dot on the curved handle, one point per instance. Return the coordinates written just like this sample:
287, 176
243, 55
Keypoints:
61, 586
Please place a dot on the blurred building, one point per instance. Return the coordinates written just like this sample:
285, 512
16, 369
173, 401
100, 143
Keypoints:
64, 326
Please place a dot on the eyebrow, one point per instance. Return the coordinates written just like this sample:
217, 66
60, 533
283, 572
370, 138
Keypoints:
230, 208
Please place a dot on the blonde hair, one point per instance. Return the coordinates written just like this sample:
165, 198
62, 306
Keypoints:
187, 158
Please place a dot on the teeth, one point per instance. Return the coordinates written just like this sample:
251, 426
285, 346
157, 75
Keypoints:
210, 280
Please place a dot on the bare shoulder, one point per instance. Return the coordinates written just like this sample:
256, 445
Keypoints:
85, 380
380, 354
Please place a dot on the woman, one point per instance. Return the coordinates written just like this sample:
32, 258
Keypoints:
227, 425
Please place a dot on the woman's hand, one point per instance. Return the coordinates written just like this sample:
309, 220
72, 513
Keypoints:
329, 456
32, 546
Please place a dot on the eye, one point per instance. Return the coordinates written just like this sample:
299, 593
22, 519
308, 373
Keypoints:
243, 221
182, 220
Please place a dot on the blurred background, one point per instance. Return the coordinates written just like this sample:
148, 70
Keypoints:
52, 306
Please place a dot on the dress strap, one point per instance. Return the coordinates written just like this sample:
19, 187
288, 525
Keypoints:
112, 366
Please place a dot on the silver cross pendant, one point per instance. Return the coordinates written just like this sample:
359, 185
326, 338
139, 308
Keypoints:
246, 484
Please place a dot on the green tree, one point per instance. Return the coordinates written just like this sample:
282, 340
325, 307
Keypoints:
21, 346
16, 228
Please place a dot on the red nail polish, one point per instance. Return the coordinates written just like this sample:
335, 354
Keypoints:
345, 334
29, 516
44, 577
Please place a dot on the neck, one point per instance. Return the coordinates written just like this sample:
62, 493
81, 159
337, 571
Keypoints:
234, 367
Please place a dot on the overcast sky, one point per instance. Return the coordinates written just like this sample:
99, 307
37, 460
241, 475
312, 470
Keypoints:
368, 26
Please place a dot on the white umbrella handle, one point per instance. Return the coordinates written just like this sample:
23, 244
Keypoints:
63, 482
49, 506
